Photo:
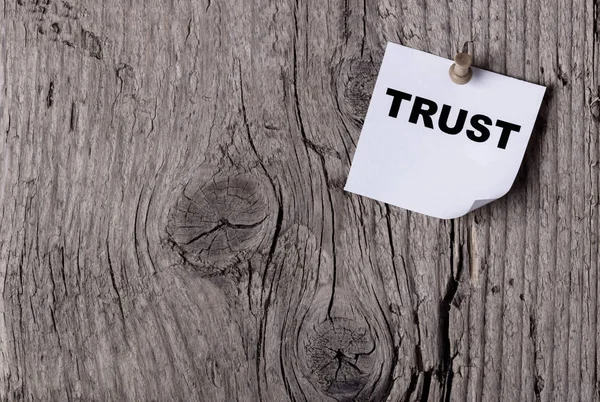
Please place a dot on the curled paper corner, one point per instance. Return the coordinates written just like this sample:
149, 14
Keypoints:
476, 205
480, 203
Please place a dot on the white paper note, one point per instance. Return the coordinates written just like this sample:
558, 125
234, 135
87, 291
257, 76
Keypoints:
413, 151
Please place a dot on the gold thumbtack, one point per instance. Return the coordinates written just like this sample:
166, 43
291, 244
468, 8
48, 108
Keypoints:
461, 72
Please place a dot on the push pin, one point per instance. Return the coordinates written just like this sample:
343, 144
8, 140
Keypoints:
460, 71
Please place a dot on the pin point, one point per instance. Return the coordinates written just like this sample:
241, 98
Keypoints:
460, 71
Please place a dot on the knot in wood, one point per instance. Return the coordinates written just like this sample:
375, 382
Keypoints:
343, 358
361, 78
220, 222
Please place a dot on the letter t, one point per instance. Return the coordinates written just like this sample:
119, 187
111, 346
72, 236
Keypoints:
507, 128
398, 97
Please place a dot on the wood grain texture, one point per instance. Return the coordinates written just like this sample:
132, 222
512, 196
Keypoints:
173, 224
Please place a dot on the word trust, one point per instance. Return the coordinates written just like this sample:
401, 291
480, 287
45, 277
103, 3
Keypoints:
424, 110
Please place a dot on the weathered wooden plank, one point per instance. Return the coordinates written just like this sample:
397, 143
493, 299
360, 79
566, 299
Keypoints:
174, 225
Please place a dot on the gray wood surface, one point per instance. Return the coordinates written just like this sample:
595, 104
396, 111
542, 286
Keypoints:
173, 224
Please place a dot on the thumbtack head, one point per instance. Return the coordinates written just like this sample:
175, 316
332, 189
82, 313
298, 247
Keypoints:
461, 72
463, 60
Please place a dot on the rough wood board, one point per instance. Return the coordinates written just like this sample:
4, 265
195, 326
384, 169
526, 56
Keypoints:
173, 225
